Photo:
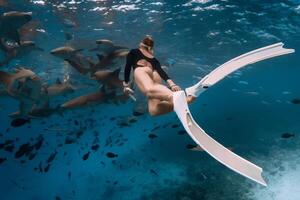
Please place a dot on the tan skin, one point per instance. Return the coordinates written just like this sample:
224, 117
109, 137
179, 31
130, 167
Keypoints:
160, 97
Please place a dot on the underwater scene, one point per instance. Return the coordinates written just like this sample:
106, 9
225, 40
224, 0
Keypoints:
77, 136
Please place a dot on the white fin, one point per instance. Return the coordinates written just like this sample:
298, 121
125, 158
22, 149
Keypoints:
212, 147
236, 63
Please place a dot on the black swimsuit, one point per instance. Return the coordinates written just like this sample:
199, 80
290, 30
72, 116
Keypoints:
134, 56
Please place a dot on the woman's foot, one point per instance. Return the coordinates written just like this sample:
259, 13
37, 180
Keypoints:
170, 98
190, 98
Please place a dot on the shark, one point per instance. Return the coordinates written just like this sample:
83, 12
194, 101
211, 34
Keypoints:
25, 86
109, 78
74, 58
15, 51
106, 46
59, 88
11, 22
33, 96
91, 98
83, 64
107, 60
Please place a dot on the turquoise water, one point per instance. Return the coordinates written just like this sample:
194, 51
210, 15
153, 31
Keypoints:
248, 111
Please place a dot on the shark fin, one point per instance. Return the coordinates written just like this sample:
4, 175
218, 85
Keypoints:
116, 72
58, 81
93, 68
77, 66
77, 51
100, 57
5, 78
102, 89
15, 36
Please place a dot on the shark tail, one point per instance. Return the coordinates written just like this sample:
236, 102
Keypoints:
6, 78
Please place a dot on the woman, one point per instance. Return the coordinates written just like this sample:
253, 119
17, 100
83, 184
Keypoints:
148, 76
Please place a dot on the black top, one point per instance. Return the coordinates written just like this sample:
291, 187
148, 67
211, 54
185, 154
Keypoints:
134, 56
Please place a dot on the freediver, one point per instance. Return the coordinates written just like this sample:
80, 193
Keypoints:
148, 75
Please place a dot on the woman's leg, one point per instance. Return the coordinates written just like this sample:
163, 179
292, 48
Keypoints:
158, 107
160, 98
144, 79
147, 83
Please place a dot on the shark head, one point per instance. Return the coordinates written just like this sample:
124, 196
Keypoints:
6, 78
106, 75
109, 78
17, 19
64, 52
104, 42
28, 43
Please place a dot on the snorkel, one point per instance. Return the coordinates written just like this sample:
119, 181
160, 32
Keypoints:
148, 48
147, 43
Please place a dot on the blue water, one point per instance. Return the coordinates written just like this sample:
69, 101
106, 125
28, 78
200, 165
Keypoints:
247, 111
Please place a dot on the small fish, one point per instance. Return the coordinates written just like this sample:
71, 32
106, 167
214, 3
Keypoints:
31, 156
2, 160
191, 146
23, 149
9, 148
57, 198
181, 132
69, 175
51, 157
95, 147
137, 113
46, 169
295, 101
155, 128
40, 167
132, 119
38, 145
123, 124
243, 82
112, 118
152, 136
68, 36
198, 148
153, 172
86, 156
121, 144
23, 161
7, 142
153, 159
111, 155
19, 122
79, 133
175, 126
70, 140
76, 122
287, 135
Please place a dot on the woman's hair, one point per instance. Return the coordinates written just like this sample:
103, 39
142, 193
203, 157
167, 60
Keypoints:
147, 43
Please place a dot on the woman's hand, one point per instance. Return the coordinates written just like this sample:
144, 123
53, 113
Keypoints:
175, 88
127, 90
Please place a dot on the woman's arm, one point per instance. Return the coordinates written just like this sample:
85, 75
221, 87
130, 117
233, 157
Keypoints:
129, 63
165, 77
173, 85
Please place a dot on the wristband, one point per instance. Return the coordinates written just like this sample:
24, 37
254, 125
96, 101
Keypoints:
126, 84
